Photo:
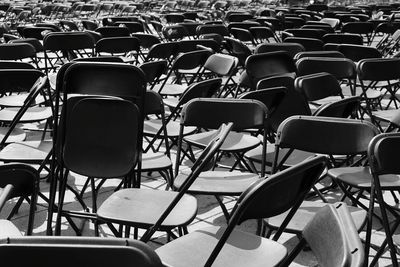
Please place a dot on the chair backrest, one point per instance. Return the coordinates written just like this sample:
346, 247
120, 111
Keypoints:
105, 79
292, 104
18, 80
358, 52
117, 45
342, 38
243, 113
318, 54
382, 153
380, 69
343, 108
24, 179
190, 60
341, 68
333, 237
260, 66
206, 89
273, 196
162, 51
335, 136
318, 86
291, 48
16, 51
57, 41
100, 138
90, 251
154, 69
221, 64
309, 44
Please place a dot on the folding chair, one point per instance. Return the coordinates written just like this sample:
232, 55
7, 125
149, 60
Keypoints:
183, 62
245, 114
160, 210
102, 79
155, 127
384, 171
22, 105
260, 66
340, 139
319, 88
225, 67
238, 49
218, 246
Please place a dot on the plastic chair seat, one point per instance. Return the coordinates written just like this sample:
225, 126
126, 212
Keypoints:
386, 115
235, 142
151, 127
218, 182
361, 177
171, 102
155, 161
8, 229
31, 115
296, 157
18, 100
241, 249
306, 213
17, 134
28, 151
143, 207
171, 89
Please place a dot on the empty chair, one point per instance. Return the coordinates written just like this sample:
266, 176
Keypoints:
320, 54
216, 246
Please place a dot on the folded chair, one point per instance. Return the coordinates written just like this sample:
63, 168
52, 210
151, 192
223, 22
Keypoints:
332, 237
102, 79
225, 246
